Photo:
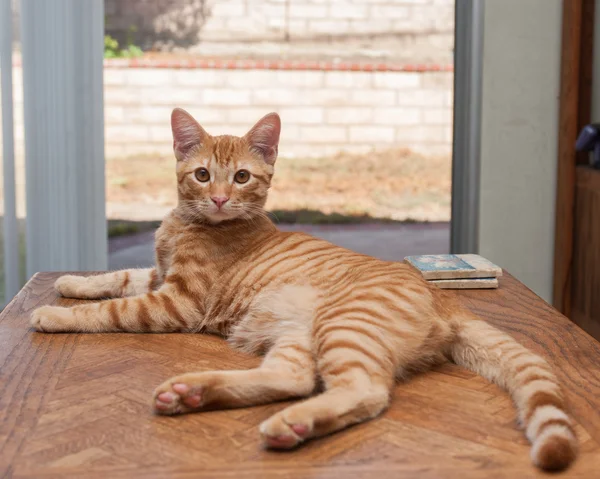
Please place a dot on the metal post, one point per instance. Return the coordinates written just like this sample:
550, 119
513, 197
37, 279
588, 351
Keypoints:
464, 234
62, 45
11, 233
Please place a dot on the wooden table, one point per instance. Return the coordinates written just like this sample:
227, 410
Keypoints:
77, 405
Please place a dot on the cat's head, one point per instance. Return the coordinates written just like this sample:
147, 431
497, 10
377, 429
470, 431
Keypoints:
221, 178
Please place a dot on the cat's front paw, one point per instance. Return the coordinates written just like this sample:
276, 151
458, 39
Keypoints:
70, 286
177, 396
52, 319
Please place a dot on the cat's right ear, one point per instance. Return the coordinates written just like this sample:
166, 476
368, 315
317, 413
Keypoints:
187, 133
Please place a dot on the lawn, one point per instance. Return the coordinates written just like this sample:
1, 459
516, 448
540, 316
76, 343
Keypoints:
390, 185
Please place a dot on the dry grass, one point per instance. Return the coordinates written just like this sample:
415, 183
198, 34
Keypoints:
394, 184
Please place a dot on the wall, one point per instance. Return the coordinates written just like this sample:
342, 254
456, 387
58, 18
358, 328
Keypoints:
519, 138
188, 22
324, 108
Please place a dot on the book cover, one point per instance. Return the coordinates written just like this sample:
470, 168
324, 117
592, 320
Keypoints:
451, 266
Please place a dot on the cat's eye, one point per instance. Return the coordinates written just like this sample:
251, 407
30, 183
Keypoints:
242, 176
202, 175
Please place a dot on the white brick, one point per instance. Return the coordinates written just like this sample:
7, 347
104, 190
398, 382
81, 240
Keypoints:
449, 133
148, 148
298, 78
149, 115
226, 96
348, 11
298, 26
442, 80
325, 97
302, 116
389, 11
126, 133
437, 116
373, 97
247, 78
348, 79
114, 114
380, 26
207, 115
397, 116
435, 97
371, 134
238, 25
449, 98
121, 95
114, 76
328, 27
160, 133
304, 10
349, 115
289, 134
397, 80
422, 134
149, 76
227, 9
275, 23
17, 84
198, 77
275, 96
246, 116
323, 134
172, 97
320, 150
213, 28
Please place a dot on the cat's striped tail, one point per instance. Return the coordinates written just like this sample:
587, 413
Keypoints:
532, 384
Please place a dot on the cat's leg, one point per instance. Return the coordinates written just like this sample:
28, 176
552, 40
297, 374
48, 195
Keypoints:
287, 371
117, 284
357, 364
165, 310
346, 401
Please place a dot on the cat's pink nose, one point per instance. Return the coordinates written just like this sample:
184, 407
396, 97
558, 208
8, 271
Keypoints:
219, 200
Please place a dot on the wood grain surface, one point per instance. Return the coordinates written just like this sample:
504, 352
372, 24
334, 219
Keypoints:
77, 405
572, 92
585, 284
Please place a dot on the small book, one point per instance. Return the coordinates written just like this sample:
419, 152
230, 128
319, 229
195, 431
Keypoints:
454, 266
469, 283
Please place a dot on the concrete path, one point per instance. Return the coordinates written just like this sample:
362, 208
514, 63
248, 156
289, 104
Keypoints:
388, 242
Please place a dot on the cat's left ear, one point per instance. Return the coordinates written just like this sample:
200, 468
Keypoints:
263, 138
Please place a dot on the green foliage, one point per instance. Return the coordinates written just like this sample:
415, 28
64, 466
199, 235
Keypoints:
112, 48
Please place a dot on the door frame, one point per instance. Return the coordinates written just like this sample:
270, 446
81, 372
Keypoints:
466, 149
576, 68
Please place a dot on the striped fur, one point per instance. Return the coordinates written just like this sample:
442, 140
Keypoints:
325, 318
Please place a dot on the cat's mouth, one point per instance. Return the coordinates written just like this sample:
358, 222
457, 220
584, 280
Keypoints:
221, 214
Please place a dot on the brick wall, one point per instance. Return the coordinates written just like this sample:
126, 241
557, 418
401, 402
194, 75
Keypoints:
323, 110
188, 22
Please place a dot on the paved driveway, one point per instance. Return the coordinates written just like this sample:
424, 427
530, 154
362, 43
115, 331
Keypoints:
388, 242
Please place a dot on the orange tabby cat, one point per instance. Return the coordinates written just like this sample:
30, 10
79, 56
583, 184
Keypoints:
322, 314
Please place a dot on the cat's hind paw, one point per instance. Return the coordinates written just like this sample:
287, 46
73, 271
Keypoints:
280, 433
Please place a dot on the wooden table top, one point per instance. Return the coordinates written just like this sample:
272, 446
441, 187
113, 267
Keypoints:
77, 405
